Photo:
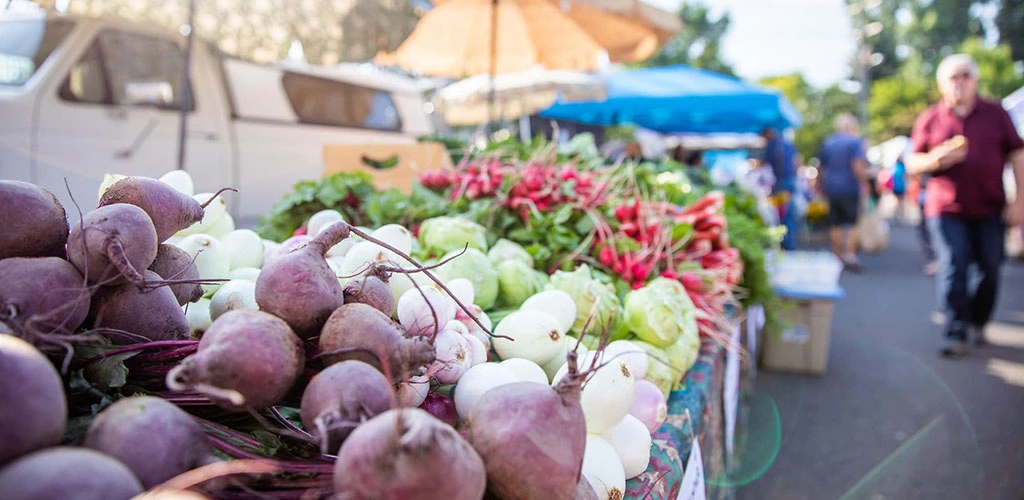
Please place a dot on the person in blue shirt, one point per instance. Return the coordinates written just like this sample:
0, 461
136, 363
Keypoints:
780, 154
845, 180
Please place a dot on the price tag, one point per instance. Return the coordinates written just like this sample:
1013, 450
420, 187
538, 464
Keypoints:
693, 487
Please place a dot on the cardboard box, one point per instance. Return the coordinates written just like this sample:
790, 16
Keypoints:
390, 165
803, 345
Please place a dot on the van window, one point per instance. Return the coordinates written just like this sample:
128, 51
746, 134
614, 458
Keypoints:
25, 44
322, 101
128, 69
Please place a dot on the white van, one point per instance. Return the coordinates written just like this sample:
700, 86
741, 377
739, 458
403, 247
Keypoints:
81, 97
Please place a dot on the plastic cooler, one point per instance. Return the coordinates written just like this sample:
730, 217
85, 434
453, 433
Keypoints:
808, 283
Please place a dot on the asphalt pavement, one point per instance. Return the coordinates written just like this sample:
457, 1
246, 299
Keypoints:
890, 419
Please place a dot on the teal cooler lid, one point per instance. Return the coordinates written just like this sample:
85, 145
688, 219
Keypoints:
811, 293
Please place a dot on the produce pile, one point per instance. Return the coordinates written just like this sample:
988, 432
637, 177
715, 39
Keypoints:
151, 348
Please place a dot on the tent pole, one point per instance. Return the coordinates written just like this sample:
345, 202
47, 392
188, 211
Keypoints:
492, 66
186, 90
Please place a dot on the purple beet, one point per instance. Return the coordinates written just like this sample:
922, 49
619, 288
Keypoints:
35, 410
341, 397
153, 313
63, 473
170, 209
361, 332
35, 223
42, 295
113, 244
373, 291
173, 263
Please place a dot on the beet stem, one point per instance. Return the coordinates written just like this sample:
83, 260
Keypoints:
217, 469
143, 346
215, 195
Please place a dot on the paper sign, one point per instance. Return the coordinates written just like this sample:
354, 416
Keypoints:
732, 386
693, 487
796, 335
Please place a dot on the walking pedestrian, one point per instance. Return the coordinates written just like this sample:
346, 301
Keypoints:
964, 143
780, 155
924, 234
845, 179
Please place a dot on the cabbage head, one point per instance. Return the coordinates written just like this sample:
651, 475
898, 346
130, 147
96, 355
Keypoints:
504, 250
585, 291
517, 281
441, 235
661, 312
476, 267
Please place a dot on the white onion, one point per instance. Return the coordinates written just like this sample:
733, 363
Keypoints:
322, 219
478, 349
649, 405
244, 273
244, 248
395, 235
233, 296
108, 180
478, 380
526, 370
412, 393
535, 335
212, 214
633, 355
603, 469
608, 394
453, 357
180, 180
556, 303
557, 362
210, 258
359, 257
462, 289
632, 442
225, 226
198, 315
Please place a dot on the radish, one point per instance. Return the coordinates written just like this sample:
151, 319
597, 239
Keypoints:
526, 370
556, 303
531, 437
210, 259
35, 408
341, 397
68, 473
154, 438
246, 360
35, 223
632, 443
112, 244
477, 381
649, 405
371, 290
42, 295
407, 453
413, 392
232, 296
533, 335
214, 210
631, 354
441, 407
170, 209
299, 287
244, 248
608, 394
603, 469
180, 180
119, 308
173, 263
361, 332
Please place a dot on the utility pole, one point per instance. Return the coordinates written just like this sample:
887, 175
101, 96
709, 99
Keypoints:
864, 59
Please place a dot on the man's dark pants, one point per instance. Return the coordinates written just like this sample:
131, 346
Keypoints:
959, 243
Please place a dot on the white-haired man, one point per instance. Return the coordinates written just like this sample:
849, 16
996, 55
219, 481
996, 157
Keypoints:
963, 143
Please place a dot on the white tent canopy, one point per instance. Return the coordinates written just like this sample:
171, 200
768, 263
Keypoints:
1014, 104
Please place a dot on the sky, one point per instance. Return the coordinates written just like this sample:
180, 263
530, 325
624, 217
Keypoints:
774, 37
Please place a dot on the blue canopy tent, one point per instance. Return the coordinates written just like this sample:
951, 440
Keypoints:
675, 99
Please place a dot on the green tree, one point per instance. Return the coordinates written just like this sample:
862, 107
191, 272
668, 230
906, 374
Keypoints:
896, 102
818, 108
698, 44
1010, 22
998, 75
939, 26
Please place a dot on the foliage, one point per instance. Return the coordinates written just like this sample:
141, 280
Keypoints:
817, 107
1010, 22
939, 26
897, 101
344, 192
698, 44
999, 76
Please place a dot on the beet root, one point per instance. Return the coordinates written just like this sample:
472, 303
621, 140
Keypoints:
113, 244
300, 287
42, 295
170, 209
361, 332
532, 438
35, 409
341, 397
153, 437
61, 473
35, 223
407, 453
119, 308
246, 360
173, 263
372, 291
584, 491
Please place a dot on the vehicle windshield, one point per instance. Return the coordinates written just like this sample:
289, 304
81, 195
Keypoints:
25, 44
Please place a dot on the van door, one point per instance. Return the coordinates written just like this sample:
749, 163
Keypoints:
115, 111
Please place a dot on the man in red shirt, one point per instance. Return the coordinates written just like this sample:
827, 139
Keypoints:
964, 142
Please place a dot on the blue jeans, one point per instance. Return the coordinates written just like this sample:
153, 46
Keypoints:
959, 243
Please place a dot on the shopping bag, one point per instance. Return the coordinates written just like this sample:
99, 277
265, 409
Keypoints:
872, 230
